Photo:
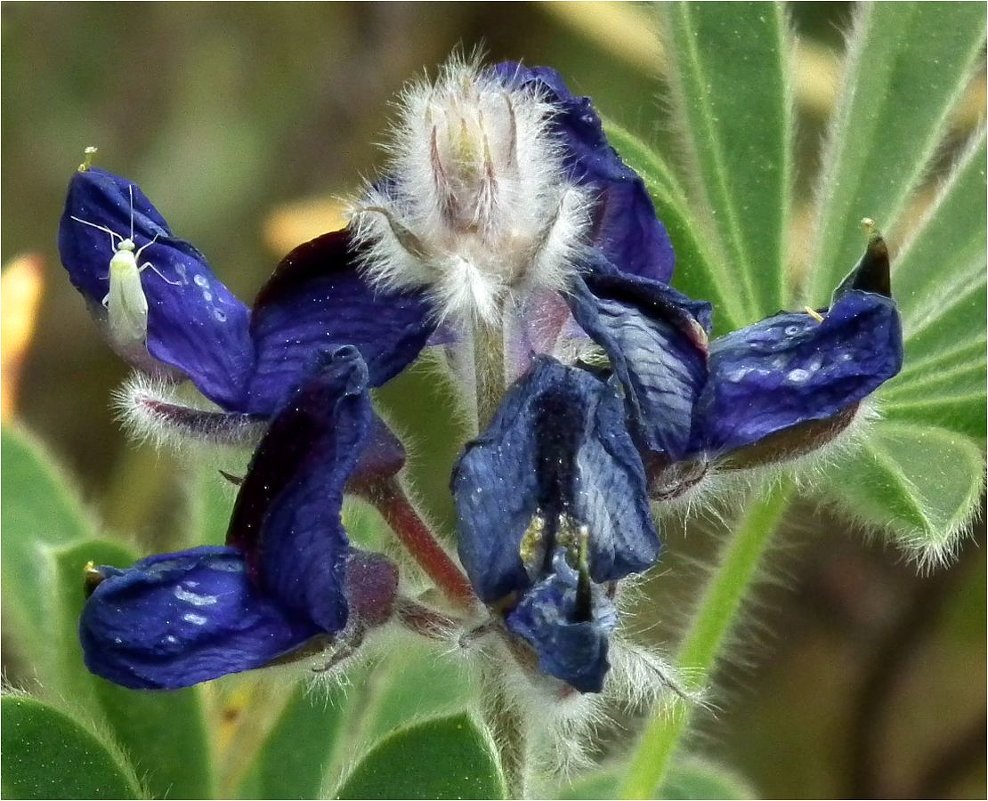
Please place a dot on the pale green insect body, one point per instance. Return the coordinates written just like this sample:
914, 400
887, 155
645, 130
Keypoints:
126, 304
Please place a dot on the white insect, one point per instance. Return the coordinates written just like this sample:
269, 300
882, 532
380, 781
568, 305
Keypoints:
125, 302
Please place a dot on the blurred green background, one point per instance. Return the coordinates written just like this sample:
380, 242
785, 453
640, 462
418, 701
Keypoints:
853, 676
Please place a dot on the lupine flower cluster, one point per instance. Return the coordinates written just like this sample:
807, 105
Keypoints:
509, 234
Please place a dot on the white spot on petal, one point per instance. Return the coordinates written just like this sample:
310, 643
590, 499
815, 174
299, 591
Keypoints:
195, 620
194, 598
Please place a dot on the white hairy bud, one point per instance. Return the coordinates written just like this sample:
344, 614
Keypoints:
478, 208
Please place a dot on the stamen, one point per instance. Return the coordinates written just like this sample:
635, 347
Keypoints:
87, 158
533, 546
584, 596
91, 578
813, 313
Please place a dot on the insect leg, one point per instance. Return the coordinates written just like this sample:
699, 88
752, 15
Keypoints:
140, 250
160, 274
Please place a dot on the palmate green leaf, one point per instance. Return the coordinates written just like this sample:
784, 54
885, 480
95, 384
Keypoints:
690, 777
300, 748
907, 64
422, 682
920, 474
696, 269
164, 736
697, 778
49, 538
939, 283
603, 784
48, 754
729, 73
919, 482
441, 758
39, 514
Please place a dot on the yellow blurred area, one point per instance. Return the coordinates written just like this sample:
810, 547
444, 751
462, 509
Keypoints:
21, 287
294, 223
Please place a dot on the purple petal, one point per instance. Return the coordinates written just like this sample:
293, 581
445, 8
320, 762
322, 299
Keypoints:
195, 324
568, 648
287, 515
318, 299
382, 456
656, 341
625, 226
557, 456
177, 619
791, 369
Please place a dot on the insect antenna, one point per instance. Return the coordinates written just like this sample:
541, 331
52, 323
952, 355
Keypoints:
100, 228
130, 190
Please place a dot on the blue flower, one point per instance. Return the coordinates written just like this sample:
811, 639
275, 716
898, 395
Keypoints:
552, 498
286, 584
767, 393
244, 360
552, 508
688, 398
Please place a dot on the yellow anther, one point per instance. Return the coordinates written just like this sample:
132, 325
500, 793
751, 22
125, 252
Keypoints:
813, 313
87, 158
532, 546
91, 578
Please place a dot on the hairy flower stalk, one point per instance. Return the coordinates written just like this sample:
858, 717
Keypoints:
390, 499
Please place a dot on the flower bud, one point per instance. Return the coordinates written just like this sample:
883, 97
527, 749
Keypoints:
477, 207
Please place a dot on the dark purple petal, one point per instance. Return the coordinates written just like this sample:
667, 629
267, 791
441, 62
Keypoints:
372, 586
656, 341
287, 515
382, 456
791, 369
625, 226
318, 299
195, 324
568, 648
556, 458
177, 619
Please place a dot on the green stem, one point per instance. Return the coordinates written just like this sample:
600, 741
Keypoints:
489, 374
507, 729
716, 613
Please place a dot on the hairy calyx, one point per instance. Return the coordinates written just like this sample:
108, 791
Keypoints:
479, 209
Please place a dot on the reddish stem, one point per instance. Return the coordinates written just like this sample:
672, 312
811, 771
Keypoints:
390, 500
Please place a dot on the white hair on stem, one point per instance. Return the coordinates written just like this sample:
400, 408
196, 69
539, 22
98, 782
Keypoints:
153, 411
478, 208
